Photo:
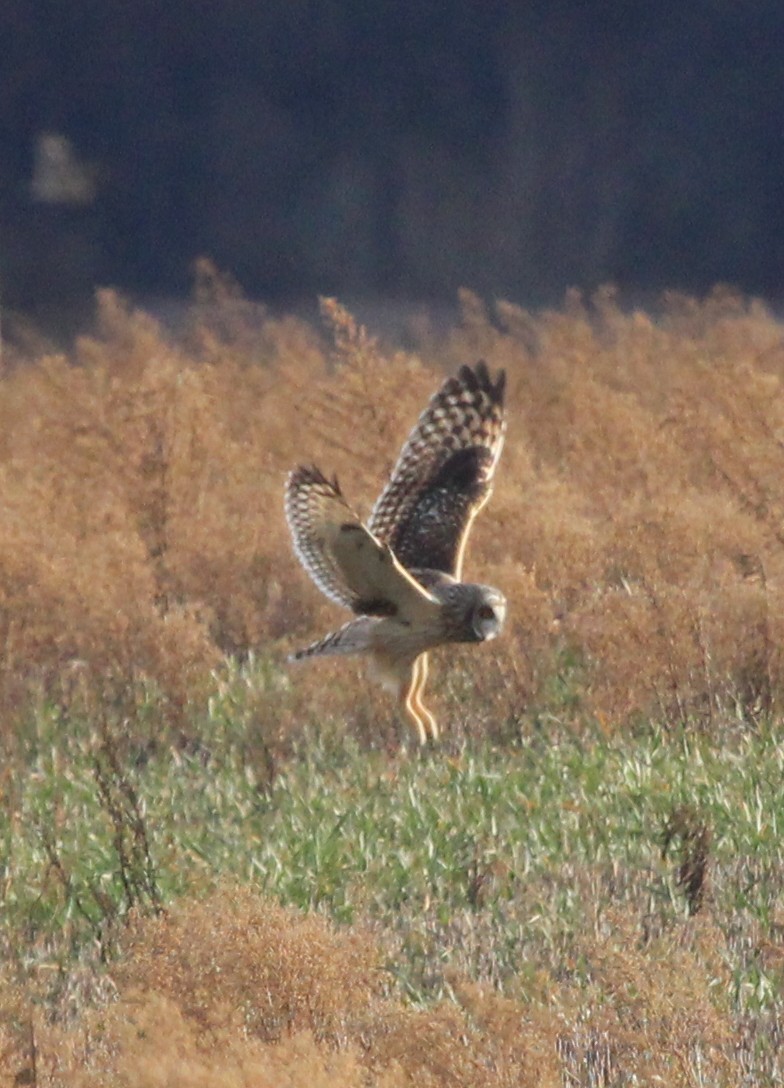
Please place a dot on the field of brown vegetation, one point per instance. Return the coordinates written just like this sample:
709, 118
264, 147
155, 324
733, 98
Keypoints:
637, 529
636, 523
238, 993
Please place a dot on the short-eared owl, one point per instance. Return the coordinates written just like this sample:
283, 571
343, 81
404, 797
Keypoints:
401, 572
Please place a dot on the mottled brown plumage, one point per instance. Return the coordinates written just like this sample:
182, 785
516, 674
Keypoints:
444, 473
401, 572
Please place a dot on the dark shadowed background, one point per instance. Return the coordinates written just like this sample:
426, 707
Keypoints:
392, 149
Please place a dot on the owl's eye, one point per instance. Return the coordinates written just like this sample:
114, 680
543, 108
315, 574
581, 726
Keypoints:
485, 612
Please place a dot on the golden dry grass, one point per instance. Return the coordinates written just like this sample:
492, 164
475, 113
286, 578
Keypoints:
636, 521
235, 991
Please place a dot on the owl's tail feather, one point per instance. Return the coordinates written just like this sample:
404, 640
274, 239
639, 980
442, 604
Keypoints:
352, 638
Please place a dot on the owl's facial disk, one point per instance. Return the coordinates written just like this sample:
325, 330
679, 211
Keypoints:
489, 614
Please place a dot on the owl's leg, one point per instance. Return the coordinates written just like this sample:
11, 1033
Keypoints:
408, 703
413, 706
421, 669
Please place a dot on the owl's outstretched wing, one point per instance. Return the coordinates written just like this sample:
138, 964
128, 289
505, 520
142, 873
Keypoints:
345, 560
444, 473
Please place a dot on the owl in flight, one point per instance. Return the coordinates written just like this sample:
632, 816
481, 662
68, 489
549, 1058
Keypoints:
401, 573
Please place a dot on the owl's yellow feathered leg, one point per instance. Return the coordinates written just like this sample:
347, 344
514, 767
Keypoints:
411, 701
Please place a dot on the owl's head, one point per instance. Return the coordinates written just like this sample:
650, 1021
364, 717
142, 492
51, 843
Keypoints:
487, 614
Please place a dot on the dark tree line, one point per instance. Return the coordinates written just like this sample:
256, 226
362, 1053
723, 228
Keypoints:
394, 148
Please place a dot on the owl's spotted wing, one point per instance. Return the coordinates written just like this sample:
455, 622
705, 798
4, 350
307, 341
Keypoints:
345, 560
444, 473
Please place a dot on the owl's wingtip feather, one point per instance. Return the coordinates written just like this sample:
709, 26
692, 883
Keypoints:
310, 474
493, 387
477, 378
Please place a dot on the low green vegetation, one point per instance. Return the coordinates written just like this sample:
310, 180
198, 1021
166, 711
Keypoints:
479, 859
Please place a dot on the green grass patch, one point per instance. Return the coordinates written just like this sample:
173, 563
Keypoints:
494, 862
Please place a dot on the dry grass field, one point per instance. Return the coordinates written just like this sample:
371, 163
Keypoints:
219, 870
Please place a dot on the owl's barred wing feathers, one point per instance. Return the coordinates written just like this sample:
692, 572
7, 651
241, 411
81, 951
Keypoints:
345, 560
353, 637
444, 473
312, 502
401, 572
